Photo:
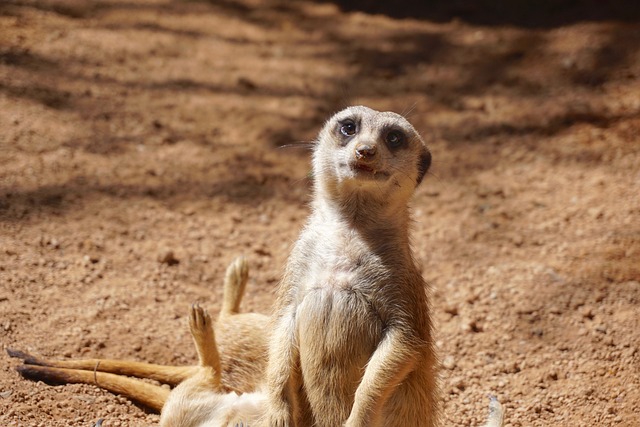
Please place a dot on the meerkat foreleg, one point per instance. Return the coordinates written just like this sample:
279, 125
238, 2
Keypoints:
392, 360
283, 376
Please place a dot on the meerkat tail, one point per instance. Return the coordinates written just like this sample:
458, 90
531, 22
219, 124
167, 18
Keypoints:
171, 375
235, 281
496, 414
149, 395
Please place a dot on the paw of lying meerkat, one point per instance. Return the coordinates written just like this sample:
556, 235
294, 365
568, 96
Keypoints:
235, 282
238, 270
199, 320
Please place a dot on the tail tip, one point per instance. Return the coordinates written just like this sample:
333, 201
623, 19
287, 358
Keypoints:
496, 413
25, 357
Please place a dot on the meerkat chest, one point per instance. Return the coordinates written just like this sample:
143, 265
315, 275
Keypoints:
337, 313
338, 330
336, 306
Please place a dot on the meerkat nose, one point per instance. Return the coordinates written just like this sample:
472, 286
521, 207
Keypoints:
365, 151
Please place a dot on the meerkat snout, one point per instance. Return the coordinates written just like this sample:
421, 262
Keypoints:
366, 152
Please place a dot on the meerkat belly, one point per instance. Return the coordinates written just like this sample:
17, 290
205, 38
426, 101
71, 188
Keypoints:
338, 330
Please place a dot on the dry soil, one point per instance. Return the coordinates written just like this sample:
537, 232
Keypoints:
130, 130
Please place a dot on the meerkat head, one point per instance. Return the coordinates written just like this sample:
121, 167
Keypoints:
363, 152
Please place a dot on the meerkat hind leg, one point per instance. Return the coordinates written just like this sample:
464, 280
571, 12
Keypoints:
235, 282
203, 337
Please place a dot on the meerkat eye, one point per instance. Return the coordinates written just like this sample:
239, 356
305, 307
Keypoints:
348, 129
396, 139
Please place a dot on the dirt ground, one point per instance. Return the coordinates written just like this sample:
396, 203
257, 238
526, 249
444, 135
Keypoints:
129, 129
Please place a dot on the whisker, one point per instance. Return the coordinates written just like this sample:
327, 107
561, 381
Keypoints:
435, 176
307, 178
303, 144
379, 188
407, 113
399, 170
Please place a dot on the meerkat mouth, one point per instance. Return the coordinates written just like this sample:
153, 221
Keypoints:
365, 171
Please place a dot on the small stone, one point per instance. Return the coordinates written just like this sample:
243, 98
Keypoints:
587, 313
449, 363
596, 212
471, 326
90, 259
168, 257
601, 328
517, 240
246, 84
451, 309
458, 383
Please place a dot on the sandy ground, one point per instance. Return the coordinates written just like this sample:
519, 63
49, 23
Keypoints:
134, 128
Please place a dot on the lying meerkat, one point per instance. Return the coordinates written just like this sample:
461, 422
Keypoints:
352, 343
242, 340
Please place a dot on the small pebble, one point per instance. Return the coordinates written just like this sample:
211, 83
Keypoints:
449, 363
168, 257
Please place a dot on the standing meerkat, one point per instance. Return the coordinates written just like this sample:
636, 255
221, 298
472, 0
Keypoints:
352, 342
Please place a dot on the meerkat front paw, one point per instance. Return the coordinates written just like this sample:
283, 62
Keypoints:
279, 418
351, 422
279, 422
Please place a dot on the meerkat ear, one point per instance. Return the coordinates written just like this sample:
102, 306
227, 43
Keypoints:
423, 165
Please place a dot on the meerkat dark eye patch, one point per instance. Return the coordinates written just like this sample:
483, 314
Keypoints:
348, 128
395, 139
424, 162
